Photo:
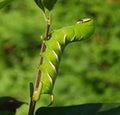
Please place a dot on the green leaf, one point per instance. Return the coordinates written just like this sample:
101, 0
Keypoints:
40, 5
3, 3
85, 109
8, 105
48, 4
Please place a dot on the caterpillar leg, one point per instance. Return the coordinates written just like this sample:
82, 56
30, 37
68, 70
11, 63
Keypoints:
52, 99
41, 37
37, 93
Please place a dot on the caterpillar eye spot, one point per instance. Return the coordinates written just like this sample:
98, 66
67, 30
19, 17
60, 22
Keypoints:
83, 20
86, 20
79, 21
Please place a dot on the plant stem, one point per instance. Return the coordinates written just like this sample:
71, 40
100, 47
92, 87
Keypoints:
38, 75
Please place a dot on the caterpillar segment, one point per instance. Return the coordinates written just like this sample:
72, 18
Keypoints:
58, 40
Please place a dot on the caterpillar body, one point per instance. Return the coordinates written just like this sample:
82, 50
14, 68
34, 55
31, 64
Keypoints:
58, 40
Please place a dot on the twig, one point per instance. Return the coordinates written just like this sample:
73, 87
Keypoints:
38, 75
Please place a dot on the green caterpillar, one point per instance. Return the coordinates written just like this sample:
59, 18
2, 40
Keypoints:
58, 40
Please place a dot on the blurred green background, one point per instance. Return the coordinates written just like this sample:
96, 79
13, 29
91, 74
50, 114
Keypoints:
89, 70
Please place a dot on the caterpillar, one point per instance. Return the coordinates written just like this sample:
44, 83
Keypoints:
55, 45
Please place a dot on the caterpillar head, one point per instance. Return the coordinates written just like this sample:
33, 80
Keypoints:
84, 28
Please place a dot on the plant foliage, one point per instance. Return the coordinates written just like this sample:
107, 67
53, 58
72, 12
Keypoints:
48, 4
89, 71
3, 3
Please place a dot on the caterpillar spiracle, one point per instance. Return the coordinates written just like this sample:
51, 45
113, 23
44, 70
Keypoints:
58, 40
